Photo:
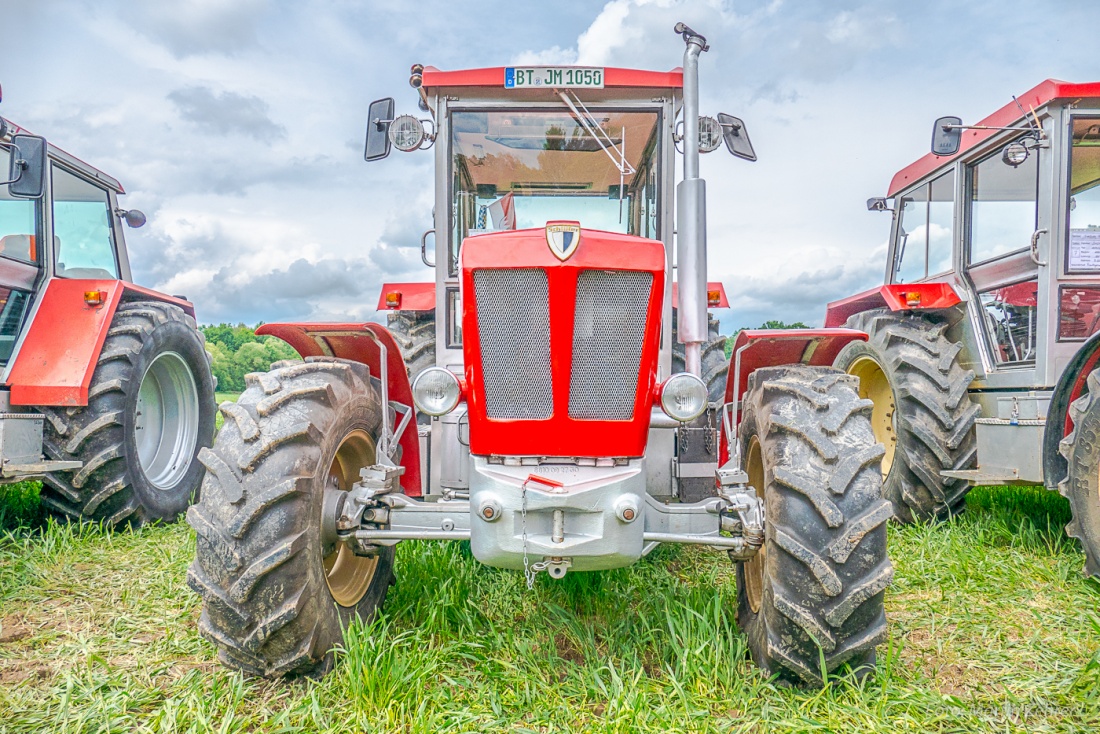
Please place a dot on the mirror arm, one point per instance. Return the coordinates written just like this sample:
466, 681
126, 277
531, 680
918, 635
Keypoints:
22, 165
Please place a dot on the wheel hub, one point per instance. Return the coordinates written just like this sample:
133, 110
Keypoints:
874, 386
347, 575
166, 420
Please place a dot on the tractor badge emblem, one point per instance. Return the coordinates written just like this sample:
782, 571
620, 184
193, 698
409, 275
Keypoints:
563, 238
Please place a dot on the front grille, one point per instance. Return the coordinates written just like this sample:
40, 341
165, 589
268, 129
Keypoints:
513, 320
607, 343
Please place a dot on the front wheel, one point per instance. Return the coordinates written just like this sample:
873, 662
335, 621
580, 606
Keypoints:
150, 411
815, 590
277, 590
1082, 483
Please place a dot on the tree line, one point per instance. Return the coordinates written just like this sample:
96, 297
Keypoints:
236, 351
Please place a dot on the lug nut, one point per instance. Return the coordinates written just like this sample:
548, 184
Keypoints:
488, 512
628, 514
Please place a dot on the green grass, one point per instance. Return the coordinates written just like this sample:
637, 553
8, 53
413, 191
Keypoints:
219, 398
992, 628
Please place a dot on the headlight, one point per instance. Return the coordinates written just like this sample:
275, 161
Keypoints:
710, 134
436, 391
684, 397
406, 133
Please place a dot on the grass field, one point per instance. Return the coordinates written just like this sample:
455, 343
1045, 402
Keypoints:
992, 626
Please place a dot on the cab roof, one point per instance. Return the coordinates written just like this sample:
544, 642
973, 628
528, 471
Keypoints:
494, 77
69, 159
1034, 98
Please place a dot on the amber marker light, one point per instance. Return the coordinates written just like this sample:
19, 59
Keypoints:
714, 297
94, 298
393, 299
912, 298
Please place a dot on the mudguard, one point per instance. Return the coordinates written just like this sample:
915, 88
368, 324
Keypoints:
896, 297
59, 353
756, 348
360, 343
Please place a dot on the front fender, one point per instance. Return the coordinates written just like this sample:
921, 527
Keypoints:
362, 343
55, 362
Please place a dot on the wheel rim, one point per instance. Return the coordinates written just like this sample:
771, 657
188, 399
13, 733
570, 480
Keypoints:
754, 567
166, 420
874, 386
349, 576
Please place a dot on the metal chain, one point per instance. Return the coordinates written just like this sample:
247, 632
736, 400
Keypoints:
527, 572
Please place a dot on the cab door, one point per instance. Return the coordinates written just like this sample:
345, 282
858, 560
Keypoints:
21, 258
1002, 216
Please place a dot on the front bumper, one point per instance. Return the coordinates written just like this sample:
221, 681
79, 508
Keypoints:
585, 520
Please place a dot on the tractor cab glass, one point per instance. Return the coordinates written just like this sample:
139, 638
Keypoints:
515, 169
19, 243
924, 234
1083, 244
82, 229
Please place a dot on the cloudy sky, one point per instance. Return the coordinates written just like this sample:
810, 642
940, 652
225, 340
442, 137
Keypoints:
237, 125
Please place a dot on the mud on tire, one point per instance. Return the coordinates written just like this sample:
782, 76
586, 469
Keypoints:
816, 588
927, 411
112, 486
271, 600
1082, 483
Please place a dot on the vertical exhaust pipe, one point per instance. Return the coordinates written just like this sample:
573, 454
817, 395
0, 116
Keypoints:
691, 216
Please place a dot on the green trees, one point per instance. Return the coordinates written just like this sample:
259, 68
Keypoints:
236, 351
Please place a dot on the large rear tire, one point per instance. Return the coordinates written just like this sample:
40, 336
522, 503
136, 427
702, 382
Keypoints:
815, 590
415, 334
923, 414
713, 360
276, 598
1082, 483
150, 411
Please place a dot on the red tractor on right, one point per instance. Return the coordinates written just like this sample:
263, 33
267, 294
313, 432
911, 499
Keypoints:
984, 342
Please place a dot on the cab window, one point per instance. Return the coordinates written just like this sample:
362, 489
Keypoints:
925, 230
1084, 197
1003, 205
18, 219
82, 228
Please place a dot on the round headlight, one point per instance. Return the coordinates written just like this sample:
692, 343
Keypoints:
406, 133
1014, 154
436, 391
710, 135
684, 397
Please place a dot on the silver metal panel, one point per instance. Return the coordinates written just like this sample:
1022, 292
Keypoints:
1019, 446
513, 318
454, 453
594, 537
20, 438
608, 330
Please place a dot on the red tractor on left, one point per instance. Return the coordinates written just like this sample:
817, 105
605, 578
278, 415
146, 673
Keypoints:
106, 392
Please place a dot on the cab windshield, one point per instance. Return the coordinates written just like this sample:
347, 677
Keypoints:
519, 169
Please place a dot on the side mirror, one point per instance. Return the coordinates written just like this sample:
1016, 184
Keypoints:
27, 172
736, 137
379, 118
946, 136
134, 218
877, 204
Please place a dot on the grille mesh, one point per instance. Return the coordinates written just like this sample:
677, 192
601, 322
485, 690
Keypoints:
607, 343
513, 320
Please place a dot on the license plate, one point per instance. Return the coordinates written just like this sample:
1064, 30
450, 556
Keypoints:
525, 77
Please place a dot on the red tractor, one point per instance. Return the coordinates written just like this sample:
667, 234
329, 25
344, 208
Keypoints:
551, 429
109, 380
984, 340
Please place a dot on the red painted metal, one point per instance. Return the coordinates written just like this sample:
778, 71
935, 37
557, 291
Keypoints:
414, 296
1007, 116
712, 285
895, 297
55, 364
774, 347
494, 77
353, 341
560, 435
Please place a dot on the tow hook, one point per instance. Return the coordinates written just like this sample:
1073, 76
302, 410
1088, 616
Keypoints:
743, 514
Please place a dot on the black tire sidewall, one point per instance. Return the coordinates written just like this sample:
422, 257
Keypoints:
180, 338
334, 618
1083, 482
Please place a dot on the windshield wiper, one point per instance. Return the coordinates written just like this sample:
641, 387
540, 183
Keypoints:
617, 153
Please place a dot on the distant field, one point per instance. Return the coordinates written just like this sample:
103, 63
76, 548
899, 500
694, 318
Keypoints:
993, 628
